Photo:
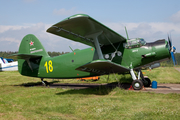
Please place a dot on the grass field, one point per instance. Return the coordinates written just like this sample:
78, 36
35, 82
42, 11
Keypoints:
19, 102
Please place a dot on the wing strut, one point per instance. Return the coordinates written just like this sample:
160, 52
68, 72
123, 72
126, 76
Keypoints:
96, 43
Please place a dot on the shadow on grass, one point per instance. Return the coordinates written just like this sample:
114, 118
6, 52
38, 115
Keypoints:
93, 89
32, 84
101, 90
78, 88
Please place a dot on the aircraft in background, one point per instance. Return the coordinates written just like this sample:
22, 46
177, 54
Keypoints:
8, 64
109, 53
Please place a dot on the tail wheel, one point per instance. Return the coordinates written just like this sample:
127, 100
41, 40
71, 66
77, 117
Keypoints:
137, 84
46, 83
147, 82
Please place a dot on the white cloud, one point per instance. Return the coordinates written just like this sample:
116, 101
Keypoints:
66, 12
145, 29
11, 36
175, 17
149, 31
9, 40
8, 44
4, 28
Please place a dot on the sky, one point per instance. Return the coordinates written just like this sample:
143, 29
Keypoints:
148, 19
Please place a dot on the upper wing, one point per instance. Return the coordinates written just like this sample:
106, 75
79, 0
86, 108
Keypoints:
103, 67
80, 27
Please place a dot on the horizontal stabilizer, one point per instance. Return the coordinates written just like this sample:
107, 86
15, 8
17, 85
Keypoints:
24, 56
103, 67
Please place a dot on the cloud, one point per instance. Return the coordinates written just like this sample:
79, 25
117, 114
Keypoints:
11, 36
153, 31
4, 28
175, 17
147, 30
10, 41
66, 12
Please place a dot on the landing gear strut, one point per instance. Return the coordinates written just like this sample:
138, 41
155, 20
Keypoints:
140, 81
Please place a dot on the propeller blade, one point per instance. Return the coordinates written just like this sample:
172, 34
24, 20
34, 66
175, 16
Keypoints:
173, 58
170, 42
172, 50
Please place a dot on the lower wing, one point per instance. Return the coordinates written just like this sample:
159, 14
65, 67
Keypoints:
103, 67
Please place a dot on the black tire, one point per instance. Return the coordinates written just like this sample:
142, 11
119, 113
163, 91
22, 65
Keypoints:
147, 82
137, 84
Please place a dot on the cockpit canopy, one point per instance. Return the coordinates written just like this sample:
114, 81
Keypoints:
134, 43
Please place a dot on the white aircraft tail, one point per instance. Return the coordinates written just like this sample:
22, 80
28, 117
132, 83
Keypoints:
6, 66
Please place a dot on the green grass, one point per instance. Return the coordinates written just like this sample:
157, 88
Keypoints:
19, 102
161, 75
164, 75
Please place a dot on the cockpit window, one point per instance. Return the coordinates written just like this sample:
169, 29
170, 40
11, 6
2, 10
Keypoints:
134, 43
142, 42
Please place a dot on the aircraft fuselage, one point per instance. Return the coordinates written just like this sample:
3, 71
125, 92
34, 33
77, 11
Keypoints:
64, 66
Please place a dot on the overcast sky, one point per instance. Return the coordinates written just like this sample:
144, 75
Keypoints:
148, 19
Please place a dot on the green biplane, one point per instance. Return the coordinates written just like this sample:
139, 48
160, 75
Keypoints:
109, 53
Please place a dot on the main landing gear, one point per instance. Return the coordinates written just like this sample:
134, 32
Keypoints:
137, 84
140, 81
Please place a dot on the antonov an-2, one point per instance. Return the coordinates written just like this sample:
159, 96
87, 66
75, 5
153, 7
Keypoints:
109, 53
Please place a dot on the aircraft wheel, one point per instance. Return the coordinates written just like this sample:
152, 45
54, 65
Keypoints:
137, 84
46, 83
147, 82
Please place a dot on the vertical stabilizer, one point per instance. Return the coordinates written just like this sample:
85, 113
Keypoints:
31, 45
30, 54
1, 60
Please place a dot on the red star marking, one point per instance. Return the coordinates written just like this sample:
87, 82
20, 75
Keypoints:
31, 43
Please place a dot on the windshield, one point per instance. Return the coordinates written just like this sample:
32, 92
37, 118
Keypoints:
134, 43
142, 41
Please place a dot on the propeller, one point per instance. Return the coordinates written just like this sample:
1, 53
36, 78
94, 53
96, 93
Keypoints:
172, 50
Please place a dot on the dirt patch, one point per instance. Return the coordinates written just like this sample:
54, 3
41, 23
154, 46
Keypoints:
165, 88
178, 69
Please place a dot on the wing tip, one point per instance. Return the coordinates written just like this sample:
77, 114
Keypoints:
78, 15
71, 17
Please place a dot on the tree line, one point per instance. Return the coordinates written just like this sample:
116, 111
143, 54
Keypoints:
168, 63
